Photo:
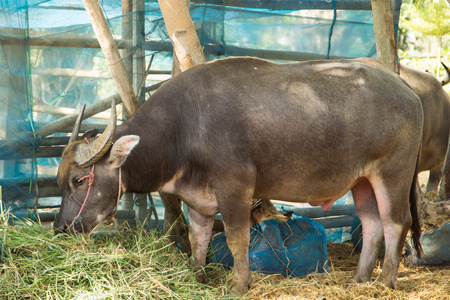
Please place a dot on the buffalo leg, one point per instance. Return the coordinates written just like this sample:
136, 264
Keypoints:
447, 184
446, 179
236, 219
175, 221
200, 232
393, 205
434, 179
367, 209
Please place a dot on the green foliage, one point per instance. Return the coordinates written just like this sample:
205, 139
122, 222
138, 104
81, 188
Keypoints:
424, 38
128, 265
429, 17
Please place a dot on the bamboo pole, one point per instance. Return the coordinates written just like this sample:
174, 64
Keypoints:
78, 41
112, 55
70, 72
176, 70
139, 70
383, 25
165, 46
156, 75
317, 212
62, 124
91, 110
182, 33
127, 32
66, 111
291, 4
187, 53
138, 79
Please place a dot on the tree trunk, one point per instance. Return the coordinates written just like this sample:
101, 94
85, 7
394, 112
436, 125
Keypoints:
383, 25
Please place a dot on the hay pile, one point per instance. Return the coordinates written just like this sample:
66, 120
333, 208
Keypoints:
131, 264
141, 265
413, 283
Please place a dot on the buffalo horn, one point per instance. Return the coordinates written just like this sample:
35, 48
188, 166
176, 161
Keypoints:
446, 78
77, 125
88, 154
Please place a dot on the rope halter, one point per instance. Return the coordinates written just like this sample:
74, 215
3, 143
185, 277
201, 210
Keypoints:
91, 181
90, 176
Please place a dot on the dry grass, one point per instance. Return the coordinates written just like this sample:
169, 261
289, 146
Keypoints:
132, 264
137, 265
413, 283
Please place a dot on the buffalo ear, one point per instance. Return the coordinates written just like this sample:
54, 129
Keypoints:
89, 134
120, 150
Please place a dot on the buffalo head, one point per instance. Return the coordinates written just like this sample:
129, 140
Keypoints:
89, 175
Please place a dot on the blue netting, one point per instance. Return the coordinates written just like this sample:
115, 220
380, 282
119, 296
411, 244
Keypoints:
50, 64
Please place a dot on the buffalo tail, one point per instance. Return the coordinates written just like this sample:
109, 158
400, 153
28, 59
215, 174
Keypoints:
413, 201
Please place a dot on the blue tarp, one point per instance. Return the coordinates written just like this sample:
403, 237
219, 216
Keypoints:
294, 248
435, 245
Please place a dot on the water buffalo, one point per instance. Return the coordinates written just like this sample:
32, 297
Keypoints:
436, 129
231, 130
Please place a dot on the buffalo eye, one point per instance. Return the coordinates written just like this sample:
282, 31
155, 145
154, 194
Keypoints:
79, 181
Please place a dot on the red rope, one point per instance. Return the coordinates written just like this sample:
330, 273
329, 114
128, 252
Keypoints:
91, 181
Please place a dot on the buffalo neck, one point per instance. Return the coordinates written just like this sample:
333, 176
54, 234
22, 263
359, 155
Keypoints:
154, 159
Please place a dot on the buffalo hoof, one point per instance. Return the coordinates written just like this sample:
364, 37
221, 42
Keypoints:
350, 281
200, 276
381, 286
238, 290
387, 283
359, 278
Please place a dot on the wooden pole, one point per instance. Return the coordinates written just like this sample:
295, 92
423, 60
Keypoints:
156, 75
64, 122
176, 70
182, 33
187, 53
66, 111
77, 41
91, 110
112, 55
139, 52
383, 25
127, 33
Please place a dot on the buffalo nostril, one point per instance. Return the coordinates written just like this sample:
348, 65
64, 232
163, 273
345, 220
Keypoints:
59, 230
